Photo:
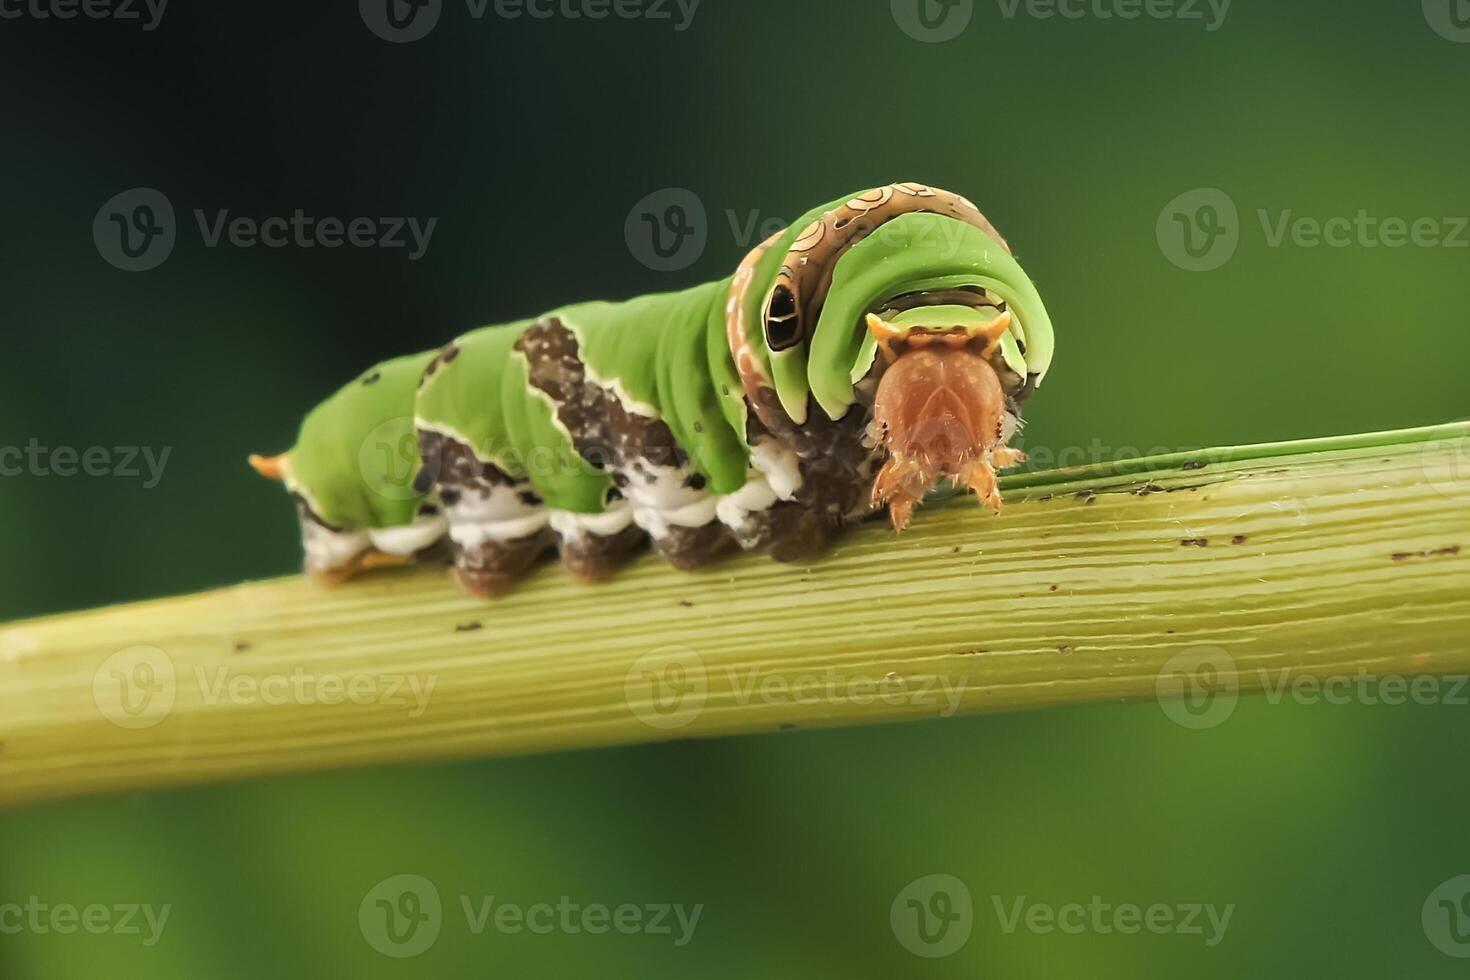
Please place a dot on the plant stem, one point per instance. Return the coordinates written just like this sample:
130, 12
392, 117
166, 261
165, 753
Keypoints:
1319, 558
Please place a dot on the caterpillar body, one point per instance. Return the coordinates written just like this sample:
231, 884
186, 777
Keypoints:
882, 343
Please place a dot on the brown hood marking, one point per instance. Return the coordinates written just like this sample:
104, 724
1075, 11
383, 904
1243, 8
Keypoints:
805, 277
748, 365
791, 309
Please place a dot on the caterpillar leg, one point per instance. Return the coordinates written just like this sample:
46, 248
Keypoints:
498, 526
491, 567
688, 548
593, 546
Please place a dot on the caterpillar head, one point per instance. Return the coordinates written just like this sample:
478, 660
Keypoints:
910, 284
940, 408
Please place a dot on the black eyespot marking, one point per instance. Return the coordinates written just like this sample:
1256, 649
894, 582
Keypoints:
530, 498
372, 378
783, 325
613, 493
695, 481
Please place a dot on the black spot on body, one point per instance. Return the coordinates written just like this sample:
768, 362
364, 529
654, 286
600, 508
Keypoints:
469, 627
373, 378
530, 498
695, 481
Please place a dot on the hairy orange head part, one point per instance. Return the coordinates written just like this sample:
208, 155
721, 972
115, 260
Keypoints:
940, 413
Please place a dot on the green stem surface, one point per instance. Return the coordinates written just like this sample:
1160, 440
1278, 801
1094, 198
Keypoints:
1203, 574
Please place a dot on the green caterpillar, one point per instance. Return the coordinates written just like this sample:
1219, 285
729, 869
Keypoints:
880, 344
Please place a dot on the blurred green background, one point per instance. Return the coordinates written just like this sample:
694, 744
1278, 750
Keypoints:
531, 140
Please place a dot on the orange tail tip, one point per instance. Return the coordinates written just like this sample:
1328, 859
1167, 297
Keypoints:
270, 467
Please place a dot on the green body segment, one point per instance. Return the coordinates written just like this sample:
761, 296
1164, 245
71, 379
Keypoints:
461, 399
545, 452
357, 454
664, 355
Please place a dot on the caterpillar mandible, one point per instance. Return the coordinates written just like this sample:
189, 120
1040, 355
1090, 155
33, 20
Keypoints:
883, 342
